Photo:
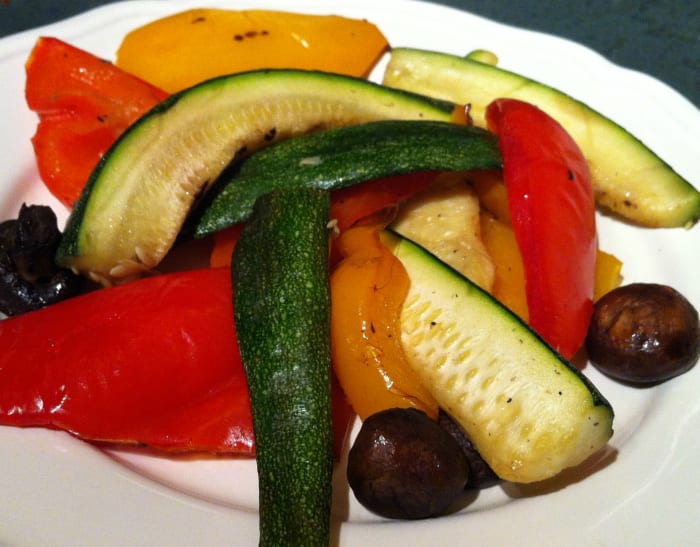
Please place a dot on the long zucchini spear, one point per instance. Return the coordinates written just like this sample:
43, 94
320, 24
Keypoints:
282, 315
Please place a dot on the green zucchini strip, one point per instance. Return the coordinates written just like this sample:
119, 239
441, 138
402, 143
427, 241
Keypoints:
339, 157
282, 317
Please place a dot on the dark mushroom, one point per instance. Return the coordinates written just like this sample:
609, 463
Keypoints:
29, 278
643, 333
403, 465
480, 473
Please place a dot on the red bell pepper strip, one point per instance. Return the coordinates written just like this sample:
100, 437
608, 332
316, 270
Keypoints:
112, 364
348, 205
84, 103
154, 362
552, 210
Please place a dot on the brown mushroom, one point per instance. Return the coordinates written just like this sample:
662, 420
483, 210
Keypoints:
643, 333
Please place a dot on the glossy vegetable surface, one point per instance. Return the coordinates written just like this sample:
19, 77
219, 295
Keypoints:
404, 465
343, 156
552, 210
368, 288
529, 412
153, 362
348, 206
499, 239
29, 279
644, 333
84, 103
445, 219
168, 160
633, 181
186, 48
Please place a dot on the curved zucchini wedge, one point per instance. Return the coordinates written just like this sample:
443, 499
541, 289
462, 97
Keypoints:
340, 157
139, 195
628, 178
528, 411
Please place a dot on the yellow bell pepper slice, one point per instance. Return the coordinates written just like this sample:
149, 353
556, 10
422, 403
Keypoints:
608, 274
509, 276
367, 291
183, 49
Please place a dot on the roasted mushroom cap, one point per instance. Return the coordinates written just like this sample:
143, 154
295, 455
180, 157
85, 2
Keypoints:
643, 333
403, 465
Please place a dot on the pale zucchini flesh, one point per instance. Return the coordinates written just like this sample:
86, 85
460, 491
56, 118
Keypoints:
139, 196
445, 219
529, 412
628, 178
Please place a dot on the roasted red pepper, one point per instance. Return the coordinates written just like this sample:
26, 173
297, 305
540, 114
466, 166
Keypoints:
153, 362
84, 103
120, 364
353, 203
552, 210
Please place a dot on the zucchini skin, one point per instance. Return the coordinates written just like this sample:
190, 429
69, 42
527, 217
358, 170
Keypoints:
339, 157
282, 316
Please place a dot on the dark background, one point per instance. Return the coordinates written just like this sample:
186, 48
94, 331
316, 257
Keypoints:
661, 39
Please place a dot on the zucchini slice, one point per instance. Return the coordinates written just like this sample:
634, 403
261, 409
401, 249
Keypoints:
528, 411
343, 156
628, 178
282, 314
139, 195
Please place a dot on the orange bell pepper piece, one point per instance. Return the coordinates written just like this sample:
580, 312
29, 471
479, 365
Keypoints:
509, 278
189, 47
224, 243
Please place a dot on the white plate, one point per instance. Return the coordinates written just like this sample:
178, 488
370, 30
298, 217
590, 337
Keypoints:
58, 491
